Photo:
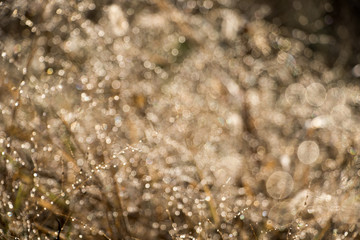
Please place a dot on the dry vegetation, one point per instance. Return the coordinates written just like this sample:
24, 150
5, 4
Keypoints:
176, 120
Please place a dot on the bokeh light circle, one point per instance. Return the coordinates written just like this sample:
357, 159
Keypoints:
315, 94
295, 93
282, 214
279, 185
308, 152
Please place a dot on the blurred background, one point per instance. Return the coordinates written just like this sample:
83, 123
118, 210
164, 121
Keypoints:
159, 119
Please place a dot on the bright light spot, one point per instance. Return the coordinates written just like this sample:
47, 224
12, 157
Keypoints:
115, 84
49, 71
356, 71
308, 152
